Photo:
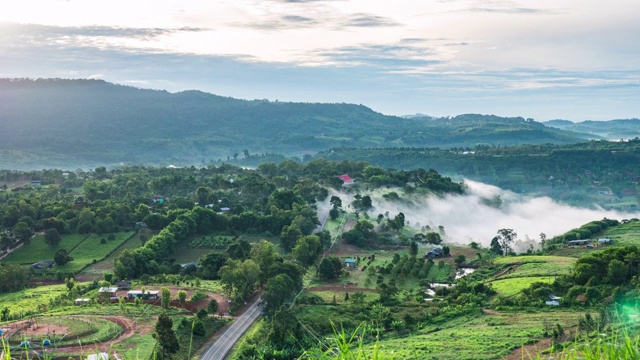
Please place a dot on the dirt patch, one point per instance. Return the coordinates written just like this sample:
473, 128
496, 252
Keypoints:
529, 351
490, 311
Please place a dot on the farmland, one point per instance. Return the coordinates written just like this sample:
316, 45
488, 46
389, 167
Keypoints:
38, 250
477, 335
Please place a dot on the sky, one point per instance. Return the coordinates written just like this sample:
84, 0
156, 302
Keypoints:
543, 59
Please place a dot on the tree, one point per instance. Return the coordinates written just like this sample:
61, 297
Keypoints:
330, 268
61, 257
4, 315
202, 313
334, 213
307, 250
276, 292
289, 236
240, 278
166, 338
165, 299
23, 231
505, 238
460, 259
413, 249
213, 306
52, 237
182, 297
433, 238
336, 202
357, 299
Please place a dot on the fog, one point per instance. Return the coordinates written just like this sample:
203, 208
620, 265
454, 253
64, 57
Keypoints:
484, 209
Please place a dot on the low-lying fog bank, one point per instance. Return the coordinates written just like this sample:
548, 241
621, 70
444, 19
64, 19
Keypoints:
483, 210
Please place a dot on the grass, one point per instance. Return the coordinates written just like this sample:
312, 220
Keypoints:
37, 250
27, 300
624, 234
476, 336
527, 266
185, 254
106, 265
512, 286
92, 250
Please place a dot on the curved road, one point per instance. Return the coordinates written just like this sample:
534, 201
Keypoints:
221, 347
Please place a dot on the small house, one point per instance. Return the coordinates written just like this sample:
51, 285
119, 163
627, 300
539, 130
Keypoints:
147, 295
581, 242
157, 198
42, 265
36, 183
604, 241
225, 209
123, 285
110, 293
350, 263
346, 180
81, 301
437, 252
553, 300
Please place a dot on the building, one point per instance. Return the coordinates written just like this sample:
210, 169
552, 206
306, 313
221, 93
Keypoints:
346, 180
81, 301
147, 295
604, 241
42, 265
437, 252
350, 263
36, 183
553, 300
579, 242
123, 285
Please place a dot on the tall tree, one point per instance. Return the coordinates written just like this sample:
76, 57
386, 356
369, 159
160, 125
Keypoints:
166, 339
52, 237
505, 238
307, 250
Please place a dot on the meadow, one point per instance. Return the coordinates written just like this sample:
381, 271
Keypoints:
624, 234
37, 250
92, 250
512, 286
527, 266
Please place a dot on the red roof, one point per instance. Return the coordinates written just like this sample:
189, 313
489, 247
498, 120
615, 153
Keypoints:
345, 178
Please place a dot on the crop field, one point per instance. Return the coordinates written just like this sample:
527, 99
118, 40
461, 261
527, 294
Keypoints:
512, 286
92, 250
624, 234
480, 336
37, 250
27, 300
527, 266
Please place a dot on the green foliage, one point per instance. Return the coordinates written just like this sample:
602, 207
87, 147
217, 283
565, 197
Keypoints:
167, 342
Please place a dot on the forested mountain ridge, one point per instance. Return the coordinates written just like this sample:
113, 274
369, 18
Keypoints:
55, 122
612, 129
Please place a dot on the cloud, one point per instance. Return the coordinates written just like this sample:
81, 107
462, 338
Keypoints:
368, 20
46, 31
390, 56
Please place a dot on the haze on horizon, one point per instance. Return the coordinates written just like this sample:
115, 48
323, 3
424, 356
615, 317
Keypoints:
573, 59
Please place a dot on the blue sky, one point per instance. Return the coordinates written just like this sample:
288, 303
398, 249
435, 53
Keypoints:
570, 59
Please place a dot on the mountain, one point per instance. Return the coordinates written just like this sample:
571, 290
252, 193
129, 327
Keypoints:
611, 130
57, 122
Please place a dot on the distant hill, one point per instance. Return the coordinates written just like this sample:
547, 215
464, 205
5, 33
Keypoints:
55, 122
611, 130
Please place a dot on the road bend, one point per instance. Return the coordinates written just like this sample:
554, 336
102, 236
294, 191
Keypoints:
221, 347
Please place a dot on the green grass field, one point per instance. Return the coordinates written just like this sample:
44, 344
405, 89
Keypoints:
479, 336
512, 286
91, 250
37, 250
624, 234
27, 300
527, 266
106, 265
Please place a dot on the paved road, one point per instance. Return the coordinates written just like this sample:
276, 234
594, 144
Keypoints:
221, 347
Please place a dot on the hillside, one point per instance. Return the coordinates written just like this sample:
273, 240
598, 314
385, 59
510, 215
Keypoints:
612, 129
54, 122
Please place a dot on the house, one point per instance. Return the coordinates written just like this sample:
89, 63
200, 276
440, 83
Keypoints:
158, 199
189, 264
553, 300
81, 301
346, 180
42, 265
147, 295
579, 242
123, 285
36, 183
350, 263
437, 252
108, 293
604, 241
141, 224
225, 209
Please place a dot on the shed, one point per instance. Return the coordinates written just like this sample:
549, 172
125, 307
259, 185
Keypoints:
552, 303
36, 183
604, 241
350, 263
346, 179
578, 242
147, 295
81, 301
123, 285
437, 252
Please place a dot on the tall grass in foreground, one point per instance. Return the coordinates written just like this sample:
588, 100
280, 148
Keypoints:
620, 346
